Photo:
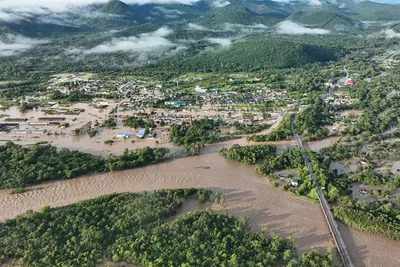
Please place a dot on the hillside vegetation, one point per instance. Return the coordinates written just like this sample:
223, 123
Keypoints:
236, 14
372, 11
250, 55
327, 18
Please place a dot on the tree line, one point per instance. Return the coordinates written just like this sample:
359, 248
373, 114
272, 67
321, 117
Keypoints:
20, 166
378, 217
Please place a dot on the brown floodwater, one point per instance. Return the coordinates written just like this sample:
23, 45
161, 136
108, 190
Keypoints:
246, 193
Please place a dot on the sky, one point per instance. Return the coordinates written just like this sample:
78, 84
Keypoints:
59, 5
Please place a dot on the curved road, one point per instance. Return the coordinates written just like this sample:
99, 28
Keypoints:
341, 246
347, 73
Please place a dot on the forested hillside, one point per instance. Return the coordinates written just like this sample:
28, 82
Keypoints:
237, 14
250, 55
326, 18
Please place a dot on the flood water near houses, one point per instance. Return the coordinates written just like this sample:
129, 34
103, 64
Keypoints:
246, 192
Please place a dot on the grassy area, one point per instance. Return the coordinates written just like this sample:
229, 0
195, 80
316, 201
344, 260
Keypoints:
82, 75
8, 82
7, 104
4, 115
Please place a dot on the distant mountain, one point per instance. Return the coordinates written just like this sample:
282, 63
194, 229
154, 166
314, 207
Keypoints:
117, 7
266, 10
172, 12
371, 11
235, 14
331, 18
111, 15
32, 28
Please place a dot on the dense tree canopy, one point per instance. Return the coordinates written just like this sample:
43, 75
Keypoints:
20, 165
132, 228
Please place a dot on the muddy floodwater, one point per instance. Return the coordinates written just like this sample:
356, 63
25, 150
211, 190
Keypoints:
246, 193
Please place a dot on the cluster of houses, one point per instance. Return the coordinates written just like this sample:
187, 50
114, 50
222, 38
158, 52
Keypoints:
339, 101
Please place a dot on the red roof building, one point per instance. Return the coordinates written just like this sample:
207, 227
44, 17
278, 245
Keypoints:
349, 82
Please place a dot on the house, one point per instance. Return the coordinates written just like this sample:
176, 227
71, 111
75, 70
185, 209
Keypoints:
175, 104
42, 131
123, 135
141, 134
198, 89
294, 182
349, 82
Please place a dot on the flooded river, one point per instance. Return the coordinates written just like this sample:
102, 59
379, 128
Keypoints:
246, 193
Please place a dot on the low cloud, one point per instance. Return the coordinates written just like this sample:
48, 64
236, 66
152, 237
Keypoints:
309, 2
220, 3
236, 27
225, 42
391, 34
167, 11
55, 5
315, 2
289, 27
198, 27
229, 27
17, 10
11, 45
11, 17
143, 43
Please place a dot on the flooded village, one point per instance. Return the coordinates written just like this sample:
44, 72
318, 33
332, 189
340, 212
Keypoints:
131, 114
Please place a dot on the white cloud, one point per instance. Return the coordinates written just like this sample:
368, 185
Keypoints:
17, 10
309, 2
64, 4
220, 3
225, 42
230, 27
198, 27
289, 27
236, 26
168, 11
146, 42
14, 44
315, 2
391, 34
10, 17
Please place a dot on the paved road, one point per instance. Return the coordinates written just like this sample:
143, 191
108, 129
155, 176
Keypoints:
341, 246
347, 73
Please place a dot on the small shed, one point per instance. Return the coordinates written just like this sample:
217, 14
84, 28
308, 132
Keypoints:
141, 133
123, 135
294, 182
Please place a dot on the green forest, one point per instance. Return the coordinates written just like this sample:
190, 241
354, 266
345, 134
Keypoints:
382, 218
21, 166
193, 137
132, 228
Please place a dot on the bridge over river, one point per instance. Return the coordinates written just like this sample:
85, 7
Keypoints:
341, 246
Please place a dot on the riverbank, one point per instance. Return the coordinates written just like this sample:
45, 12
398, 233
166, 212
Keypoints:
245, 192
